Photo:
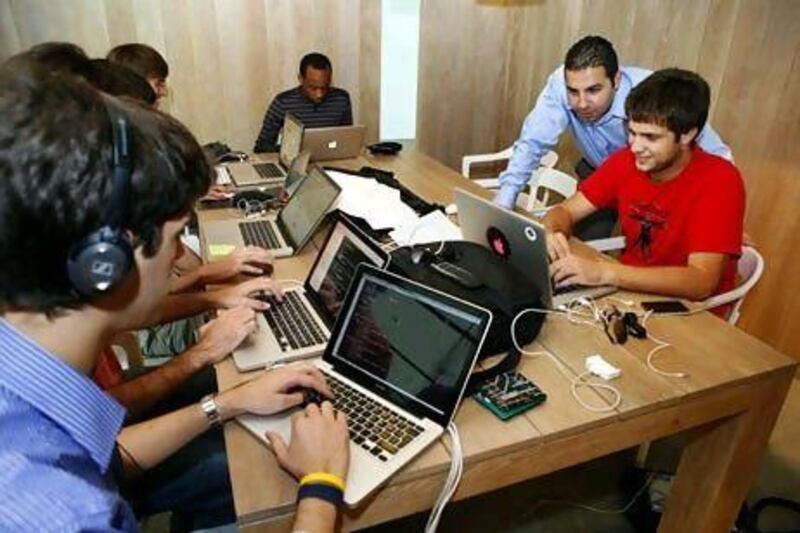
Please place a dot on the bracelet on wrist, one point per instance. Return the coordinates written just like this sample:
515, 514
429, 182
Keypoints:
321, 491
325, 478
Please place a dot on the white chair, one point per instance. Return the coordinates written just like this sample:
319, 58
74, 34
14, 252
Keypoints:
547, 180
549, 160
750, 268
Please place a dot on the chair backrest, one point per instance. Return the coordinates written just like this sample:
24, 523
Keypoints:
750, 268
547, 180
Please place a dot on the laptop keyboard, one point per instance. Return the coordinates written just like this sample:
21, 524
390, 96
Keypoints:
376, 429
268, 170
292, 323
259, 233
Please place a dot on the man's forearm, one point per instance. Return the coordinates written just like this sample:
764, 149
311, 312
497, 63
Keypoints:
558, 220
315, 516
152, 441
140, 394
683, 282
186, 282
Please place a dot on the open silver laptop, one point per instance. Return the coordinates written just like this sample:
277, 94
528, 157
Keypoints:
521, 241
271, 173
299, 326
397, 363
327, 144
287, 232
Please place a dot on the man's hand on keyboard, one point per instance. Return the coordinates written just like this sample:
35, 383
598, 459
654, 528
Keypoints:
247, 294
319, 443
219, 192
572, 269
271, 392
250, 260
557, 246
224, 334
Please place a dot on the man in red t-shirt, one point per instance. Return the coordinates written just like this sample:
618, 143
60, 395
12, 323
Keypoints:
681, 210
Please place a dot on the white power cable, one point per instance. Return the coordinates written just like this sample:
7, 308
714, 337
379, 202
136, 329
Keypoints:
660, 345
452, 481
575, 382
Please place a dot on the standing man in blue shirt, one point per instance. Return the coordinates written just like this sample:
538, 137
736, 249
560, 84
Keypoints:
94, 193
587, 96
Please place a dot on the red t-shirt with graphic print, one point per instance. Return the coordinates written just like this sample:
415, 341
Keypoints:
700, 210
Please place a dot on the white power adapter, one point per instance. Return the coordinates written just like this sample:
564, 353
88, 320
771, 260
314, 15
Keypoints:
602, 368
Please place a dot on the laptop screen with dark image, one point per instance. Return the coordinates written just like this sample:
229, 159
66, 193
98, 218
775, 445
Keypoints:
309, 204
336, 265
417, 346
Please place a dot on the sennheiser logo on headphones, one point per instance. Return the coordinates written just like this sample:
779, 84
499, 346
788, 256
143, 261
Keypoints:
103, 268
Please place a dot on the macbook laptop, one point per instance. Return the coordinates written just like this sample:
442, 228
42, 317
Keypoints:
269, 173
397, 363
522, 242
327, 144
287, 232
299, 326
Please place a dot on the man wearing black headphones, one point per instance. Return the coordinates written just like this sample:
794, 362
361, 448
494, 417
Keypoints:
93, 196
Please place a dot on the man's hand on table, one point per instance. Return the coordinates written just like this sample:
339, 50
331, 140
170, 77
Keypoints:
224, 334
246, 294
320, 442
273, 391
250, 260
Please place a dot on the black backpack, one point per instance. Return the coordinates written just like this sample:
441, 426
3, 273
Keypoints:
503, 291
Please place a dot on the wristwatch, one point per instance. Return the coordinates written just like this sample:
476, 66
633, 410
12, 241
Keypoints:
209, 407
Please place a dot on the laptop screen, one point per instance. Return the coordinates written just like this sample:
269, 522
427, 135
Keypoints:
407, 343
292, 139
344, 250
308, 206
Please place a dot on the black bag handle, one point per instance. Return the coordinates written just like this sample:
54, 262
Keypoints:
509, 362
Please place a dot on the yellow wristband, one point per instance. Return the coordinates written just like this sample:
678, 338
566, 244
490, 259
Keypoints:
324, 478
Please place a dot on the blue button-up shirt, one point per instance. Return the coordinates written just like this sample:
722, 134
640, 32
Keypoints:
58, 434
597, 140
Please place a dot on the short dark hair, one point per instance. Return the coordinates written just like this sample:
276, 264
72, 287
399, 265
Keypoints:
593, 51
315, 60
144, 60
57, 56
56, 179
116, 80
672, 97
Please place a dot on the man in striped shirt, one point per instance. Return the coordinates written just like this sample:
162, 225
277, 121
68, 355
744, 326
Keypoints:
314, 102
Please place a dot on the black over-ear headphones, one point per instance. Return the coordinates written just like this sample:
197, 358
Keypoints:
99, 261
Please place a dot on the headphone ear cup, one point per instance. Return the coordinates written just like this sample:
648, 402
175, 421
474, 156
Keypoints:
99, 262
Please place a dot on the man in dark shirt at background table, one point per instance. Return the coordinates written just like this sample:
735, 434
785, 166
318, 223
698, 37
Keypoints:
314, 102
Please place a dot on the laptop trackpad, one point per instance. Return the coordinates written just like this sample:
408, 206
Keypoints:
280, 423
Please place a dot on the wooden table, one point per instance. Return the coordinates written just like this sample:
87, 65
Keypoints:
728, 406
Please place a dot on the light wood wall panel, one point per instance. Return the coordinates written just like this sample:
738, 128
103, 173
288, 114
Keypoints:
456, 109
748, 50
227, 58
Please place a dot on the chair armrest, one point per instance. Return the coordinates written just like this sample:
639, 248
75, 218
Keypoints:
468, 160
